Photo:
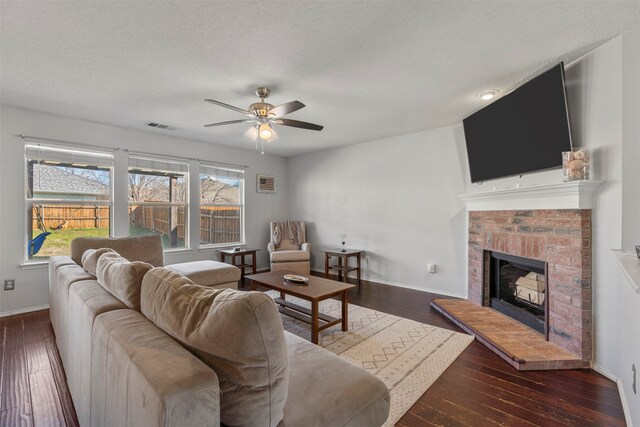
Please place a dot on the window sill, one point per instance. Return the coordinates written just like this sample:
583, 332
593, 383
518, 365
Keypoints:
222, 246
37, 265
630, 266
178, 251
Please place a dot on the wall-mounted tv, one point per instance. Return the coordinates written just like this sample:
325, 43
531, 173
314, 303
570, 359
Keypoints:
524, 131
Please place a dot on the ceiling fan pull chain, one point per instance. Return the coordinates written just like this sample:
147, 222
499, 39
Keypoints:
262, 146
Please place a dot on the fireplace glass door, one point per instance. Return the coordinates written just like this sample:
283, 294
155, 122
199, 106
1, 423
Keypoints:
518, 289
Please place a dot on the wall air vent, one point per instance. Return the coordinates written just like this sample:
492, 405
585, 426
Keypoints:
160, 126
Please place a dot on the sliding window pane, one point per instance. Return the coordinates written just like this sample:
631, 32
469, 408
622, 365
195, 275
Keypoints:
170, 222
52, 226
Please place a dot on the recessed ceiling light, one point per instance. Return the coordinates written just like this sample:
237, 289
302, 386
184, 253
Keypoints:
487, 94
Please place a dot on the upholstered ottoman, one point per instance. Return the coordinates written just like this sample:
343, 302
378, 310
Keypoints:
212, 274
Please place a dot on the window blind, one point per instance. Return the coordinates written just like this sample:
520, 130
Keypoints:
156, 164
209, 169
81, 158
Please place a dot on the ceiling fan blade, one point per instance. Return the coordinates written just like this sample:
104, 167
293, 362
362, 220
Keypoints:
231, 122
287, 108
298, 124
230, 107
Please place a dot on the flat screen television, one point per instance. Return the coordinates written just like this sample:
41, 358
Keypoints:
524, 131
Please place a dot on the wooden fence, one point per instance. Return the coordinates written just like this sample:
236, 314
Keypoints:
157, 218
76, 216
218, 224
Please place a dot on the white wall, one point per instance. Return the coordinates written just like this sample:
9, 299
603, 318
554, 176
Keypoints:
631, 140
394, 198
31, 284
629, 302
603, 100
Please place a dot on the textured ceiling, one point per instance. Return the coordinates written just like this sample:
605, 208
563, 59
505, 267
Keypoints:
365, 69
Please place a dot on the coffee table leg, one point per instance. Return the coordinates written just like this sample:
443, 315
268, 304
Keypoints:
314, 322
345, 311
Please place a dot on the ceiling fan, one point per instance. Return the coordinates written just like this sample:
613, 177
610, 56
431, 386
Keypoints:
263, 116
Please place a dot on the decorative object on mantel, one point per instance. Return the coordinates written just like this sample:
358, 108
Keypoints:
575, 165
265, 183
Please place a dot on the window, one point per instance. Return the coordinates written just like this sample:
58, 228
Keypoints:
221, 205
68, 195
158, 200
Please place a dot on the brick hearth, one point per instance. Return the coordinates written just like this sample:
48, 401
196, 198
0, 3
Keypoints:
560, 237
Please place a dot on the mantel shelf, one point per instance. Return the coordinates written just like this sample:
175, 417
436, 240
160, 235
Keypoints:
564, 195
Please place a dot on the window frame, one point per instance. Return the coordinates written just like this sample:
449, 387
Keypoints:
209, 169
29, 202
150, 164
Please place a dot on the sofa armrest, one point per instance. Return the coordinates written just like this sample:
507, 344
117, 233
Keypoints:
271, 247
306, 247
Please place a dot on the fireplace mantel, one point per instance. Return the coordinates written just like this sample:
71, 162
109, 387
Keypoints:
564, 195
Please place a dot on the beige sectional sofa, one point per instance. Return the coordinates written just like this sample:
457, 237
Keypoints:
130, 368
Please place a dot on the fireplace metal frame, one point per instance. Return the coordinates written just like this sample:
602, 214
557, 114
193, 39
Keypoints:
490, 256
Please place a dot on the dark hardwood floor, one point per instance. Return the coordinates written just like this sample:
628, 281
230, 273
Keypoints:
478, 389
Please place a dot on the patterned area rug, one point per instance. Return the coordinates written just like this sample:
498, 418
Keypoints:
407, 356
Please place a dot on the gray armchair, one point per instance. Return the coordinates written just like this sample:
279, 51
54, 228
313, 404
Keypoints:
288, 249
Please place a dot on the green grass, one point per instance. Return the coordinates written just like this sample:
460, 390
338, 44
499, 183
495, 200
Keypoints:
59, 241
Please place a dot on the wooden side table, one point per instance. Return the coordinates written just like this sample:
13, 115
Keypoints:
343, 262
224, 253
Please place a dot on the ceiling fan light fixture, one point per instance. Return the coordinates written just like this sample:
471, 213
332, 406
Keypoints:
264, 131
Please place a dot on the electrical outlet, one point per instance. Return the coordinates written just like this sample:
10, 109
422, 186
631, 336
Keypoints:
431, 268
633, 383
9, 284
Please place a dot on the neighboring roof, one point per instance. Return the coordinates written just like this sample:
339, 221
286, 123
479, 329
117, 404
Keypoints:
218, 192
52, 179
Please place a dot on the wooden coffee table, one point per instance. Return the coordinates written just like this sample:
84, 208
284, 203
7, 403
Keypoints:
315, 290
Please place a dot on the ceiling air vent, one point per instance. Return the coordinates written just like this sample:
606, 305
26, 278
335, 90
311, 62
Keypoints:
160, 126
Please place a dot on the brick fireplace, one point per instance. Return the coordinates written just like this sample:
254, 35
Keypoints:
561, 238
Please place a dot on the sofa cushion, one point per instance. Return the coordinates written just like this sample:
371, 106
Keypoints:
122, 278
141, 248
326, 390
239, 334
282, 256
90, 259
207, 273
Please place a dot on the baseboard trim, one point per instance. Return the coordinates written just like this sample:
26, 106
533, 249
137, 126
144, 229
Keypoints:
404, 285
623, 397
24, 310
